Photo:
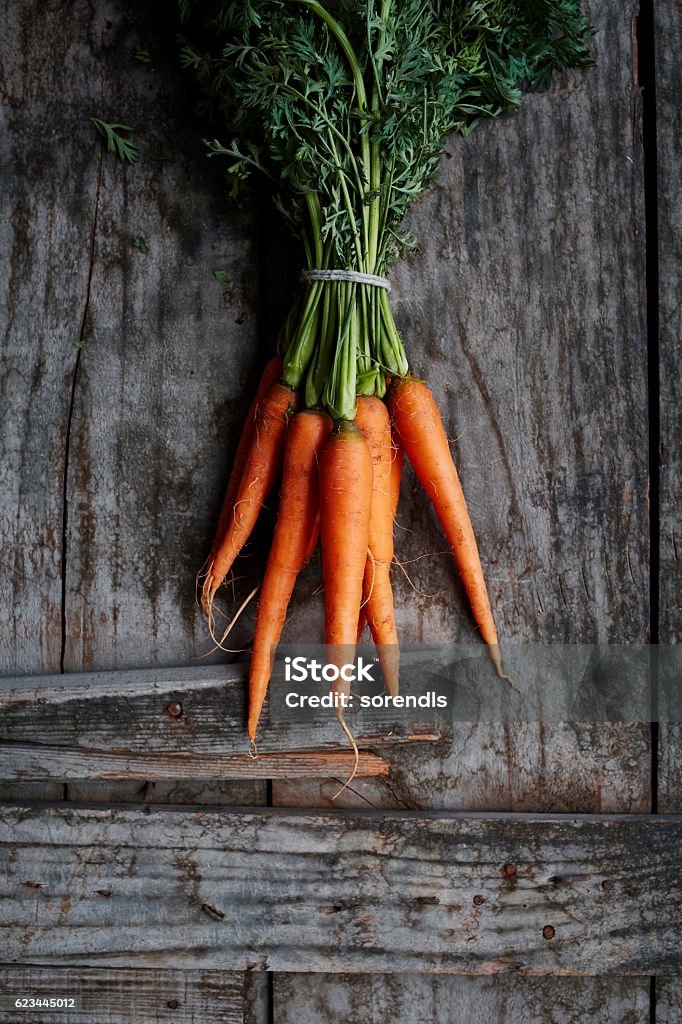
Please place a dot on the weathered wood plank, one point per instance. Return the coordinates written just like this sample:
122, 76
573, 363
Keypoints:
120, 996
172, 723
47, 210
668, 27
47, 217
331, 892
524, 307
404, 999
165, 378
668, 1000
24, 762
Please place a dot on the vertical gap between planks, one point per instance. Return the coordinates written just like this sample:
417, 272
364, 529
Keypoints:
646, 76
645, 72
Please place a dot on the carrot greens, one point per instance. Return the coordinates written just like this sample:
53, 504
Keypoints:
346, 107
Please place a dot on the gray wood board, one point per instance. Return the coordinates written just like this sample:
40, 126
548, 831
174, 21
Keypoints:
668, 1000
167, 373
340, 892
668, 23
36, 762
50, 162
121, 996
200, 711
525, 309
419, 999
47, 206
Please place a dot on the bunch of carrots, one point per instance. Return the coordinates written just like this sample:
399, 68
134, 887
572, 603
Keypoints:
340, 484
343, 108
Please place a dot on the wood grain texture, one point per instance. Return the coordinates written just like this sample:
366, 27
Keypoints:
418, 999
668, 41
668, 27
165, 711
166, 375
525, 308
31, 763
316, 892
47, 206
668, 1000
121, 996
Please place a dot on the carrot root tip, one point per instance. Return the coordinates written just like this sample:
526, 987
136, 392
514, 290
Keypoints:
496, 657
356, 754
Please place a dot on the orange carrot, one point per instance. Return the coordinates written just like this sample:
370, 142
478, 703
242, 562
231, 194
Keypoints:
271, 374
396, 472
261, 466
345, 504
418, 425
372, 419
396, 477
298, 513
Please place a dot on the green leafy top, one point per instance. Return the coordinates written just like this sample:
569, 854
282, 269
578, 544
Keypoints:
125, 149
346, 106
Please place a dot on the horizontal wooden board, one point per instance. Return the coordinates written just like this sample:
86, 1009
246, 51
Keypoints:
325, 892
122, 996
167, 723
36, 762
311, 999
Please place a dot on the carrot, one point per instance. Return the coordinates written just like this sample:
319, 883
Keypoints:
345, 504
261, 466
271, 374
298, 513
418, 425
314, 537
396, 477
373, 420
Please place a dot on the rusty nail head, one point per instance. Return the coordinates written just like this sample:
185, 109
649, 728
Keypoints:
217, 915
172, 1004
548, 932
190, 721
508, 871
478, 900
174, 710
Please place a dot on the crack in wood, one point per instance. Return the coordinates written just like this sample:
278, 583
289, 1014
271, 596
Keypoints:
72, 400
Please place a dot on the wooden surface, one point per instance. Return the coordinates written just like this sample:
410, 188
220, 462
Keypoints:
168, 723
668, 1000
32, 763
121, 996
341, 892
413, 999
525, 307
669, 130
